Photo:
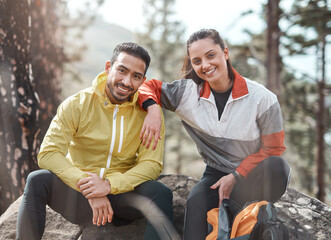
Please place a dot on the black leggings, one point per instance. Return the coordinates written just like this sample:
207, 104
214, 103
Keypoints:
45, 188
268, 181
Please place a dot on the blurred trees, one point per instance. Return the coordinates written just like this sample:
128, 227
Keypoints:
163, 38
76, 17
305, 27
312, 22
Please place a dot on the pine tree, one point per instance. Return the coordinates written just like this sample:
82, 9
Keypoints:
273, 58
163, 38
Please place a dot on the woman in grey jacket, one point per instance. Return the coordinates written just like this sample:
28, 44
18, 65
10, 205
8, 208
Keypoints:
236, 124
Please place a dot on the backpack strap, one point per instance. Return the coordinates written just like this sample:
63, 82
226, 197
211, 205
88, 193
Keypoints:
246, 218
272, 211
227, 212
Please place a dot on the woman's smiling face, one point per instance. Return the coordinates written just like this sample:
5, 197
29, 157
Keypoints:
209, 61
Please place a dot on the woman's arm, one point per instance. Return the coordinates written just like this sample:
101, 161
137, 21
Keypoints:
150, 90
270, 123
271, 145
167, 95
152, 126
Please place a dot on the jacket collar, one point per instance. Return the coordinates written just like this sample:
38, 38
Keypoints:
239, 87
99, 87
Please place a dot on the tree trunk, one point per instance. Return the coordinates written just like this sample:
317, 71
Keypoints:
19, 127
31, 62
320, 127
47, 58
273, 57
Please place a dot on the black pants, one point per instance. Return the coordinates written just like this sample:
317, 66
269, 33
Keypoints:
43, 187
268, 181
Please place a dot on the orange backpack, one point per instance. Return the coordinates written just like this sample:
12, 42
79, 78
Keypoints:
256, 220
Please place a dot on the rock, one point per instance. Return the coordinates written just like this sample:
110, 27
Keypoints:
180, 186
56, 227
306, 217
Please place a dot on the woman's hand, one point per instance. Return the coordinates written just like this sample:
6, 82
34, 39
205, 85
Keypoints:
225, 186
152, 126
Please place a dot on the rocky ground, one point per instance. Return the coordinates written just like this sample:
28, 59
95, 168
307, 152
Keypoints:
306, 217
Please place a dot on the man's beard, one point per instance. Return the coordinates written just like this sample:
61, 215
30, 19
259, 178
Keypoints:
118, 99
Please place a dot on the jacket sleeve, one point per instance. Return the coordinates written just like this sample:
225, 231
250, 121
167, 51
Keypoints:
150, 90
270, 123
148, 167
54, 148
167, 95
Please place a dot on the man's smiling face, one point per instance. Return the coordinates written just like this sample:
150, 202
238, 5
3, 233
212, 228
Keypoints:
124, 78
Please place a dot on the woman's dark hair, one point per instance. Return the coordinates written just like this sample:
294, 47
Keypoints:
132, 49
187, 69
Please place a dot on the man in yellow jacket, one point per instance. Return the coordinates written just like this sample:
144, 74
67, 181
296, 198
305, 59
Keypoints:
94, 164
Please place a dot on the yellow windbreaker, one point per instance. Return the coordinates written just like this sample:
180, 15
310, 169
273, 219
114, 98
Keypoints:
90, 134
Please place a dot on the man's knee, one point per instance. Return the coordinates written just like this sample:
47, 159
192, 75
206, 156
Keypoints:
37, 179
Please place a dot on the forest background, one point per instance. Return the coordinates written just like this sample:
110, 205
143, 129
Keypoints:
52, 49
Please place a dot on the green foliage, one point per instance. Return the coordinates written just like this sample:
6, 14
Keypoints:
299, 114
163, 38
298, 44
249, 58
309, 22
312, 14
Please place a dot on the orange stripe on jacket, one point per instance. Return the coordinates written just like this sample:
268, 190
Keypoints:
150, 89
239, 87
272, 145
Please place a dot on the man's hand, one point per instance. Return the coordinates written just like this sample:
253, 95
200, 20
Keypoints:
93, 186
102, 210
152, 126
225, 186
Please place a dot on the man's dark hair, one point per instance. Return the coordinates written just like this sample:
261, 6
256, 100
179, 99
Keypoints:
132, 49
